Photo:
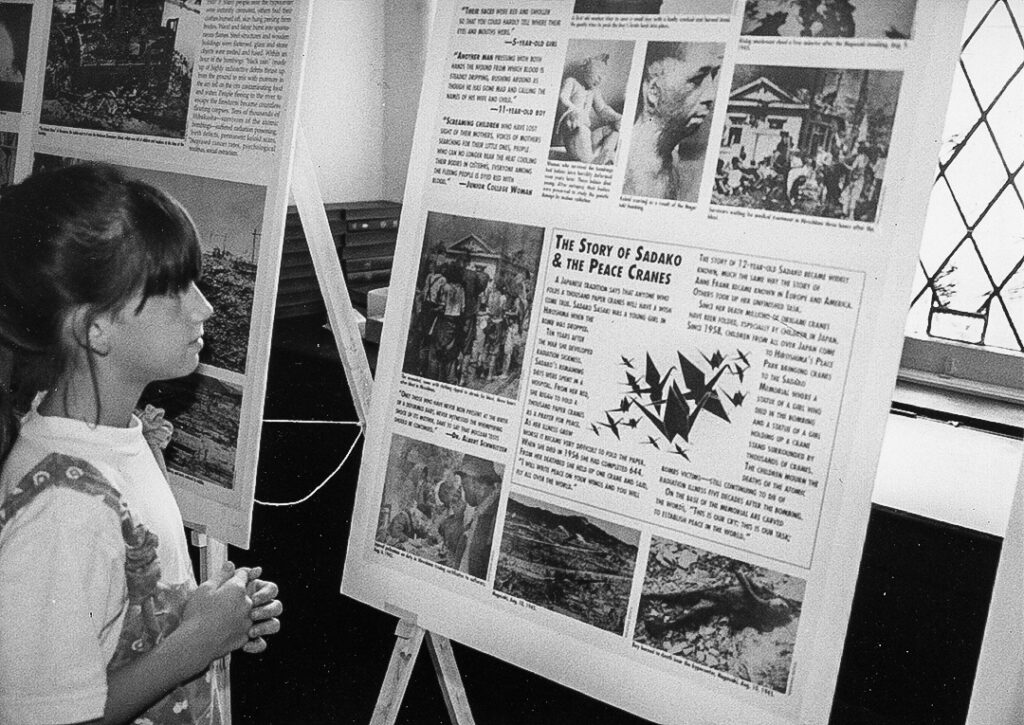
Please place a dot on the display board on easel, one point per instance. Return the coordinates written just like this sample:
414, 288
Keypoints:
998, 694
200, 99
641, 340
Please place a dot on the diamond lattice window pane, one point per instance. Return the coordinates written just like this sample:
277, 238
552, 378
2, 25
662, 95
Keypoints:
962, 284
976, 175
943, 221
992, 55
1000, 235
970, 286
1006, 120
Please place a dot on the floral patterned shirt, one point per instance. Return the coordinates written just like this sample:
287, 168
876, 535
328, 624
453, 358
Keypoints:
147, 595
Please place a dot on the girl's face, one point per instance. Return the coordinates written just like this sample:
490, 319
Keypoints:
162, 340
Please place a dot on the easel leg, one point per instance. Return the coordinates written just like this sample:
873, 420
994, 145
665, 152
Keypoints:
213, 554
403, 657
448, 677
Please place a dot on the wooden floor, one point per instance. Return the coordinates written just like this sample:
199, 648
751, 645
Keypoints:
916, 627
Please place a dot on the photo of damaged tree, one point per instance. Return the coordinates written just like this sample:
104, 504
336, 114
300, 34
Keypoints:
122, 66
720, 612
567, 562
205, 413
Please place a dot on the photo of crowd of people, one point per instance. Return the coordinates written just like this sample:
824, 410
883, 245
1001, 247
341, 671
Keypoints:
811, 141
440, 505
474, 296
590, 101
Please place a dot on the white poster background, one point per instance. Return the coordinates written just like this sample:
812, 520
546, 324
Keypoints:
568, 382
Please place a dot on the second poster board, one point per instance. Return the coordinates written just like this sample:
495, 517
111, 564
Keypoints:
642, 337
199, 99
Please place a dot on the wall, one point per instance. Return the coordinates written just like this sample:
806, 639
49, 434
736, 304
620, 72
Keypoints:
361, 91
406, 28
342, 106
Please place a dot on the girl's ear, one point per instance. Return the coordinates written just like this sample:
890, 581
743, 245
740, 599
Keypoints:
91, 332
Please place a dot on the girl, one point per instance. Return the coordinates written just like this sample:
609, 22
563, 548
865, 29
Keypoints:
100, 616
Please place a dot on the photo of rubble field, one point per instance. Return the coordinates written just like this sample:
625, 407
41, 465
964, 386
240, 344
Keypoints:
205, 412
567, 562
720, 612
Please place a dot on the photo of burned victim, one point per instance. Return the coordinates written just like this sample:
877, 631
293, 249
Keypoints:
720, 613
672, 129
590, 101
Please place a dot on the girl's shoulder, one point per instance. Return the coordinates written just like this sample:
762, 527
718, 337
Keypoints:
56, 472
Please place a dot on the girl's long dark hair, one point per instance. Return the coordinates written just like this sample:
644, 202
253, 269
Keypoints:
82, 237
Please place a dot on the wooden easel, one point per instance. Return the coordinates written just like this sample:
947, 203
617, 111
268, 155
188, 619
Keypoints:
342, 317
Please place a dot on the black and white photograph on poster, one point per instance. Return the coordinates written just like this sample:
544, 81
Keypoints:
15, 22
567, 562
893, 19
721, 613
205, 412
229, 217
672, 127
660, 403
8, 155
654, 7
440, 505
808, 141
123, 66
591, 97
474, 295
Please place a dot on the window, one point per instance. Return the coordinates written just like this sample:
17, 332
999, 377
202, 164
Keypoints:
966, 324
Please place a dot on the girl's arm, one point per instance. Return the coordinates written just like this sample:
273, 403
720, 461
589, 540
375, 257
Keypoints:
215, 622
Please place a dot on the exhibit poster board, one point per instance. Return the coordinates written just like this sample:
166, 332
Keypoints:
641, 339
998, 694
199, 98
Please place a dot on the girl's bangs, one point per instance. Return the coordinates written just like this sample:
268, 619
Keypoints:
168, 242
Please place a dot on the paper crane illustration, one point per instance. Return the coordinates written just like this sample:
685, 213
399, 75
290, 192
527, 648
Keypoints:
612, 424
673, 406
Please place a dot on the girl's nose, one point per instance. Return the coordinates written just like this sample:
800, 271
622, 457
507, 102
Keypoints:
199, 307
